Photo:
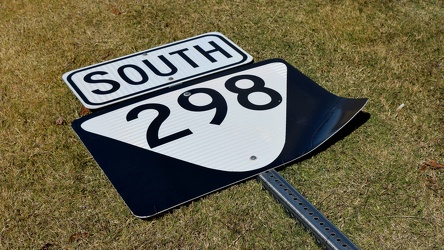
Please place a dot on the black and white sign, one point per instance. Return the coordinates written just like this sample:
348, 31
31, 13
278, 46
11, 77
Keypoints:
174, 145
110, 82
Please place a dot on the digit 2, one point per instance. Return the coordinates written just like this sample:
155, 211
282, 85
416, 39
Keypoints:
152, 134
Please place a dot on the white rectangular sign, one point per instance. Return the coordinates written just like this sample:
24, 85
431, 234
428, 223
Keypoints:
119, 79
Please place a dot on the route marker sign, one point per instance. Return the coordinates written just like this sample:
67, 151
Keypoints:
120, 79
171, 146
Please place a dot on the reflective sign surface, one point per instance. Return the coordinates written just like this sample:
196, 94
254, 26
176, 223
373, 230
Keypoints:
166, 148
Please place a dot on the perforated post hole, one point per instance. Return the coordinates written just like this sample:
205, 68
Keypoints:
325, 233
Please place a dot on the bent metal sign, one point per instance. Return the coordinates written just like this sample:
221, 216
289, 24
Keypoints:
173, 145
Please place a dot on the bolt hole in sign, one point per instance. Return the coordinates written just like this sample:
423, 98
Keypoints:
171, 146
113, 81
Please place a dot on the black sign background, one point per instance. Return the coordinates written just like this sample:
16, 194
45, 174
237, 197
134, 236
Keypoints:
151, 183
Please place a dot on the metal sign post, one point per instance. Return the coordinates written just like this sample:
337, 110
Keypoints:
326, 234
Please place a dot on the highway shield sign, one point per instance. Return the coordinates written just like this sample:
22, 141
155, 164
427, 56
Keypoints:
174, 145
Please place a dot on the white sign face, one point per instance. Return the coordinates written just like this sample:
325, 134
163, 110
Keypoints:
113, 81
235, 123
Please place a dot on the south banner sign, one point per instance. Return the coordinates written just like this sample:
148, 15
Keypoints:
110, 82
171, 146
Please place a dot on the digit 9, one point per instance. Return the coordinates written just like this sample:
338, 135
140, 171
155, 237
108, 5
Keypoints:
217, 102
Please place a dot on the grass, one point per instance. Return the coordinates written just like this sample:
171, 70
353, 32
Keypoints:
370, 183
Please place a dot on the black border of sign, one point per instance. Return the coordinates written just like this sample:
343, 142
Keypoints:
106, 103
151, 183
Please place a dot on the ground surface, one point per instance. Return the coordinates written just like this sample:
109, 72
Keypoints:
373, 183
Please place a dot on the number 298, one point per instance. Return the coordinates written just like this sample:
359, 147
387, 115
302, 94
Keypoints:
218, 103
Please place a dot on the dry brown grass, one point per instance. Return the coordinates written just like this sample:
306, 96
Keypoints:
370, 184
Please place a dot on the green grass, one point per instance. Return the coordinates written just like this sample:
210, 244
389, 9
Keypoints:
53, 194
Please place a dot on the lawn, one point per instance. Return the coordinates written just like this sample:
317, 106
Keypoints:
382, 184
